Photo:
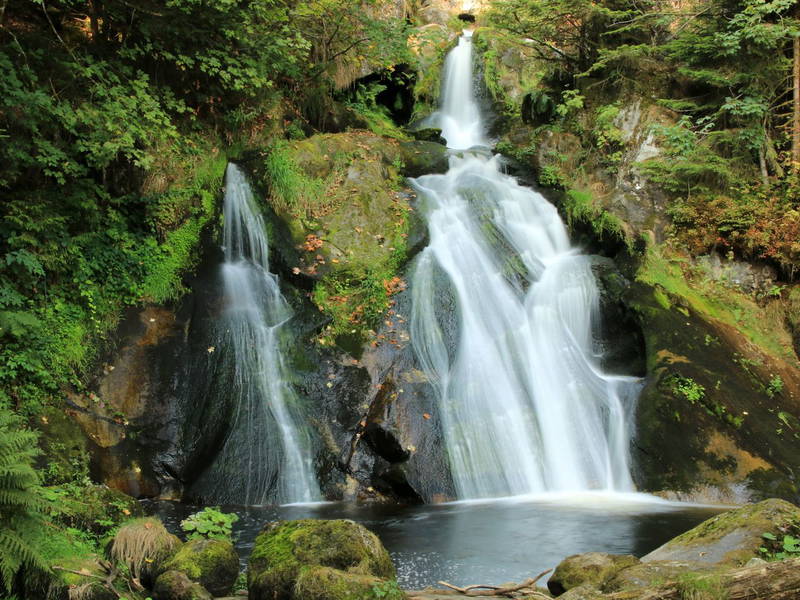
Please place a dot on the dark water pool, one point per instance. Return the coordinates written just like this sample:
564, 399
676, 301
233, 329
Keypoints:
485, 542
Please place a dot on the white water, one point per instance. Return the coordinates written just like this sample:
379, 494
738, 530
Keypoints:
460, 117
524, 404
268, 449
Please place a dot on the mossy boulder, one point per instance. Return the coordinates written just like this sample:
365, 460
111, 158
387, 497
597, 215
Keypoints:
284, 550
429, 134
423, 158
143, 545
731, 538
213, 564
647, 575
343, 221
176, 585
592, 568
325, 583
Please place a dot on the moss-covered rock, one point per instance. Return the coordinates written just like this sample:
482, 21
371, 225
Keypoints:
325, 583
343, 223
285, 548
592, 568
717, 418
423, 158
176, 585
143, 545
213, 564
646, 575
731, 538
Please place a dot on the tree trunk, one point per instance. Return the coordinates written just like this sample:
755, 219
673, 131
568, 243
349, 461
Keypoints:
3, 4
769, 581
796, 103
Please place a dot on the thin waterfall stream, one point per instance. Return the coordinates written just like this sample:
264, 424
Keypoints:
266, 456
525, 404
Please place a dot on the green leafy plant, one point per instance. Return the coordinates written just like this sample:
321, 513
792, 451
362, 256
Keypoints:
209, 523
20, 501
784, 545
775, 386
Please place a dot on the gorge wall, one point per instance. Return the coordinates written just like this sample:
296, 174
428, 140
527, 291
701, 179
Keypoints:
718, 419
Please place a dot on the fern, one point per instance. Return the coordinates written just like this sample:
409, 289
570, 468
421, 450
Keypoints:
20, 501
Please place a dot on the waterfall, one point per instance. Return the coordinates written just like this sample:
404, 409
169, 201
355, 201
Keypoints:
266, 456
524, 403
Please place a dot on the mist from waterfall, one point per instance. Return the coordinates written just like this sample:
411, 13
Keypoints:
524, 403
267, 454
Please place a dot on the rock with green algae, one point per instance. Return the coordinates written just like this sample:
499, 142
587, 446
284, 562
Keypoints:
592, 568
285, 550
213, 564
731, 538
176, 585
646, 575
325, 583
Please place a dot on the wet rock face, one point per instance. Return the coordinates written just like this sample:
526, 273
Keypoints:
377, 420
707, 420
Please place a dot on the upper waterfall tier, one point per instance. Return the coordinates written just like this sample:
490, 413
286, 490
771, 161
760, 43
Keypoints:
524, 403
459, 116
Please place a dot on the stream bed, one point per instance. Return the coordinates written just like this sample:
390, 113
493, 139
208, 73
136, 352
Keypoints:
487, 542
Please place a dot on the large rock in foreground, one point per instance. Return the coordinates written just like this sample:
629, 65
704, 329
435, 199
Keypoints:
592, 568
213, 564
730, 538
287, 553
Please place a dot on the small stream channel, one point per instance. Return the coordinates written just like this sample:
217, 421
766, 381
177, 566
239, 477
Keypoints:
484, 542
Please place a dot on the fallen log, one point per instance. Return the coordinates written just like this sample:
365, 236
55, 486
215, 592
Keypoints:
765, 581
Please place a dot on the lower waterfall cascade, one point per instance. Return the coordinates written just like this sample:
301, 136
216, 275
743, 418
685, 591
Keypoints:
525, 405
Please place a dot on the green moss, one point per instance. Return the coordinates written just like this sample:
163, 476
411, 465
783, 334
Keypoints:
593, 569
176, 585
289, 186
324, 583
510, 69
213, 564
283, 549
668, 274
179, 251
732, 537
580, 206
347, 231
699, 586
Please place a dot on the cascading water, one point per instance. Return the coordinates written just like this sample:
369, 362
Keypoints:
266, 456
524, 404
